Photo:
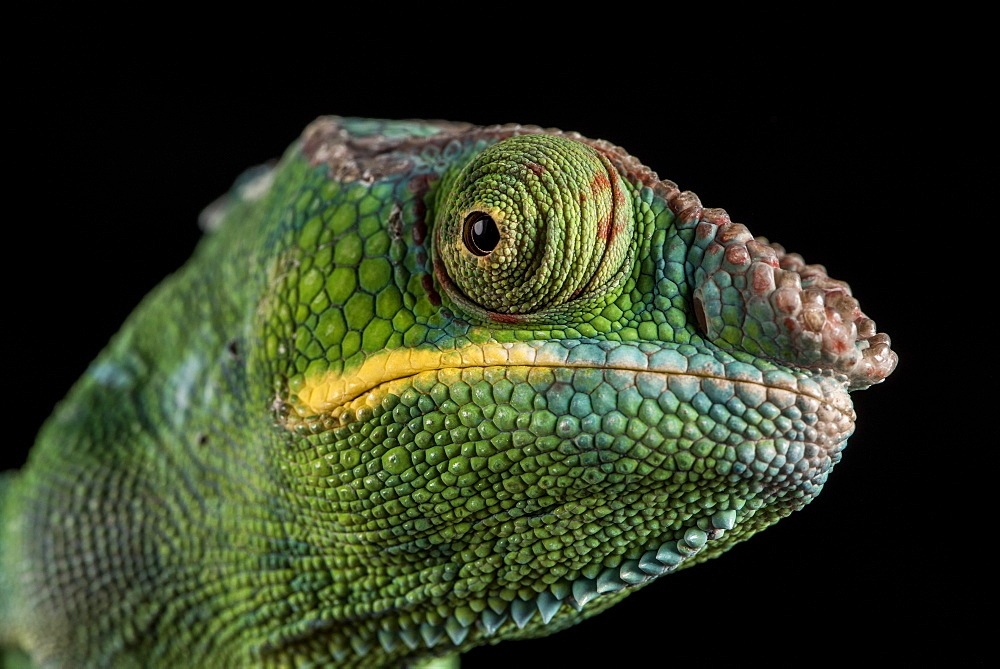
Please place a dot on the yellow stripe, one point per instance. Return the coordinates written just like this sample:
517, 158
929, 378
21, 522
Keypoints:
323, 393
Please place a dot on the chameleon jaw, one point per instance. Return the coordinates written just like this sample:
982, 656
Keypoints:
525, 617
608, 586
762, 484
322, 394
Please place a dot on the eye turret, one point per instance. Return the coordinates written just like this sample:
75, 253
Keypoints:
531, 224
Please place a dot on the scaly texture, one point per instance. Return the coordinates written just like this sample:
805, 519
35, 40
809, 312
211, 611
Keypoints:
426, 386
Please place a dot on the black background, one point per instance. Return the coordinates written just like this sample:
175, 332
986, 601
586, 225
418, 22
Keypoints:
110, 162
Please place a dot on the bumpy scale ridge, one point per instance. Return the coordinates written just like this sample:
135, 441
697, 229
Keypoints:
665, 558
751, 293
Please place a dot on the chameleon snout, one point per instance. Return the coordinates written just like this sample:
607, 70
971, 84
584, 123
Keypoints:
751, 294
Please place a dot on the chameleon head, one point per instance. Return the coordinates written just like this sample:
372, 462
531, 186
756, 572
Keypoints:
574, 380
426, 386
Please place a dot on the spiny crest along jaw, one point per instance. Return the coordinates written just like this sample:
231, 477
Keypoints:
590, 592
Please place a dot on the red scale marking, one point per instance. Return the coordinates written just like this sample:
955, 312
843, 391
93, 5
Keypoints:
598, 186
833, 342
619, 200
731, 233
737, 255
785, 301
428, 284
761, 279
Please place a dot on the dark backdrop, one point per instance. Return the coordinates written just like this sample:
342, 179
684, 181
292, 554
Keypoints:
109, 167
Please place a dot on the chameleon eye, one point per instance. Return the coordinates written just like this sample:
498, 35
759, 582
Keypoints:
566, 216
481, 234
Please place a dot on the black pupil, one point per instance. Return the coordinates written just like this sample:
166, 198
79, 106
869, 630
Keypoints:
481, 233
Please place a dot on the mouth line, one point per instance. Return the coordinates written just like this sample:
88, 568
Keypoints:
325, 394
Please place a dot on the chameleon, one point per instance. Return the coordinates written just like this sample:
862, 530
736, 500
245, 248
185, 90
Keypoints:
426, 386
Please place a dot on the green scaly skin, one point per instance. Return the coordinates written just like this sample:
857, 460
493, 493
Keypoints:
343, 436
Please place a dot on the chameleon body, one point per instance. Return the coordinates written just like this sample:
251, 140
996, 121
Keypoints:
426, 386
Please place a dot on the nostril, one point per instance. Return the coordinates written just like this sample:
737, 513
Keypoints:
699, 315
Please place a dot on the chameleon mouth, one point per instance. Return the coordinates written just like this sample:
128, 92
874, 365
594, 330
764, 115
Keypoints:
322, 394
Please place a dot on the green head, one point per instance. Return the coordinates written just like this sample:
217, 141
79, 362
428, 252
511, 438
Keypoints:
426, 386
515, 375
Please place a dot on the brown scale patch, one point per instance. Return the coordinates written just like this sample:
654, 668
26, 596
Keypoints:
737, 255
689, 217
419, 232
418, 183
604, 227
503, 318
716, 216
369, 158
736, 232
599, 183
786, 301
428, 285
536, 168
761, 279
837, 345
598, 186
619, 203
